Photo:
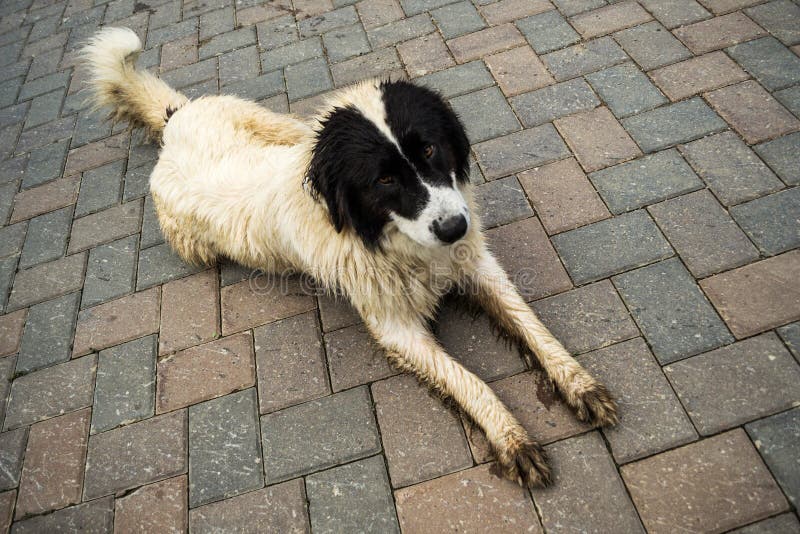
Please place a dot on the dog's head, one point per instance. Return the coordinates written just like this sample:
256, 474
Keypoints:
392, 153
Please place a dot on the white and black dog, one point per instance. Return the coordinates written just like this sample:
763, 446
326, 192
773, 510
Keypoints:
370, 198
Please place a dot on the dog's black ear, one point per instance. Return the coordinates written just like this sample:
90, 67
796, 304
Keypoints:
322, 180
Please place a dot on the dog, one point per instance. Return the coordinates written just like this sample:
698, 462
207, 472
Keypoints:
370, 198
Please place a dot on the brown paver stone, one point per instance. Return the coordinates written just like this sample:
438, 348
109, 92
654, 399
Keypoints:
281, 507
710, 486
485, 42
262, 300
422, 438
424, 55
95, 517
587, 494
518, 71
47, 281
52, 476
524, 251
719, 32
562, 196
205, 372
107, 225
597, 139
97, 153
354, 358
52, 391
610, 19
48, 197
651, 417
117, 321
189, 312
697, 75
475, 500
752, 111
290, 363
379, 12
136, 454
7, 499
510, 10
159, 507
759, 296
11, 326
732, 385
336, 312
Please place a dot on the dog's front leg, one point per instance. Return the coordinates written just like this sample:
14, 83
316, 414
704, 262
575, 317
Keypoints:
490, 284
411, 347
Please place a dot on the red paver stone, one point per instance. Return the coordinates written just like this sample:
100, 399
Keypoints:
597, 139
52, 476
97, 153
424, 54
562, 196
710, 486
107, 225
7, 499
752, 111
336, 312
697, 75
159, 507
509, 10
485, 42
117, 321
262, 300
205, 372
290, 363
518, 71
48, 197
610, 19
281, 507
136, 454
719, 32
523, 249
423, 439
354, 358
189, 312
47, 281
179, 53
474, 500
11, 326
759, 296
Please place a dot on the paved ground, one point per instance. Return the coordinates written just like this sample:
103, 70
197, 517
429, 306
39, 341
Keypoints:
642, 159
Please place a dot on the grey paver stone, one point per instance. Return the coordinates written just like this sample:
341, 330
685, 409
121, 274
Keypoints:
277, 32
171, 32
12, 238
644, 181
584, 58
7, 268
151, 231
547, 31
399, 31
351, 497
354, 358
676, 123
125, 384
485, 114
93, 517
216, 22
161, 264
520, 150
741, 374
781, 18
625, 90
230, 424
731, 169
239, 65
772, 221
45, 108
770, 62
43, 85
459, 79
137, 181
652, 46
779, 524
258, 88
307, 79
344, 43
783, 156
676, 318
412, 7
291, 53
48, 332
100, 188
501, 202
457, 19
50, 392
105, 226
611, 246
224, 42
45, 163
776, 439
674, 13
110, 271
573, 7
790, 334
319, 434
12, 450
548, 103
328, 21
46, 281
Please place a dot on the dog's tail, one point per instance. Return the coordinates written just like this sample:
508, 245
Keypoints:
135, 96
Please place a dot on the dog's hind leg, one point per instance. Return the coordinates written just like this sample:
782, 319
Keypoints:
589, 399
411, 347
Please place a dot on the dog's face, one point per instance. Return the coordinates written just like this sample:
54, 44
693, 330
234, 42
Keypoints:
394, 154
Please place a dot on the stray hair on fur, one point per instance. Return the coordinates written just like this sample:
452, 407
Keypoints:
370, 197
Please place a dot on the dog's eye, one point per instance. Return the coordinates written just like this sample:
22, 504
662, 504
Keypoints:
428, 151
386, 180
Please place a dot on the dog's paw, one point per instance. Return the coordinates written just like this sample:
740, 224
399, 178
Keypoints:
525, 464
596, 406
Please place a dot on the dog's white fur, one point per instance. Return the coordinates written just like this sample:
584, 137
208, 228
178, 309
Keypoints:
229, 182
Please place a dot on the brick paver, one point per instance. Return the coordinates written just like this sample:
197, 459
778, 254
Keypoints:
636, 165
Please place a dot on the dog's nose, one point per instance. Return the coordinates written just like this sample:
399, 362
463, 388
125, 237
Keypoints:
452, 229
